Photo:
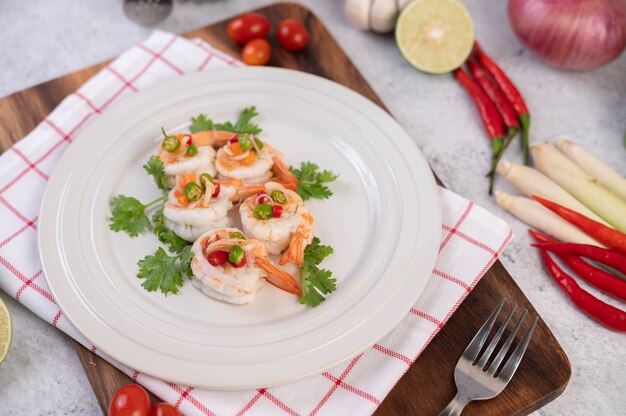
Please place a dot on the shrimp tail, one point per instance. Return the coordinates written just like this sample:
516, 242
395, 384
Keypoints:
283, 175
277, 277
294, 253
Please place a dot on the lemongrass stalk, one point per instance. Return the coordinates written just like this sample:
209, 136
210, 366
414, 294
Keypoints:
554, 164
595, 167
531, 182
542, 219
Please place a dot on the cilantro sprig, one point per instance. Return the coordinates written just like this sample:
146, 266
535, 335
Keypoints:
156, 168
243, 125
312, 183
163, 272
129, 215
316, 283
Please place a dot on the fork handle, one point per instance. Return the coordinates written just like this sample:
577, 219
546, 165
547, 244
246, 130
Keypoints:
455, 407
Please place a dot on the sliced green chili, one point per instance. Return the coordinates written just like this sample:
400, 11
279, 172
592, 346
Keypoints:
207, 176
263, 212
279, 196
192, 150
170, 143
259, 143
236, 255
244, 143
237, 235
193, 191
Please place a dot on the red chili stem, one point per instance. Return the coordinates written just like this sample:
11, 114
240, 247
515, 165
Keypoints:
510, 91
603, 255
600, 279
508, 113
606, 235
607, 315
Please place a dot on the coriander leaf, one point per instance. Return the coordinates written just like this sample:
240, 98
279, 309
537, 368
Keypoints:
166, 236
315, 253
243, 124
311, 182
200, 123
160, 272
185, 256
127, 214
316, 282
156, 168
157, 217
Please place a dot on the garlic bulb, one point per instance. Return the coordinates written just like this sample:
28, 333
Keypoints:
377, 15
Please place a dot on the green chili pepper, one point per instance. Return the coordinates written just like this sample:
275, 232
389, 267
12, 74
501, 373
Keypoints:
279, 196
237, 235
170, 143
192, 150
259, 143
263, 212
193, 191
236, 255
244, 143
207, 176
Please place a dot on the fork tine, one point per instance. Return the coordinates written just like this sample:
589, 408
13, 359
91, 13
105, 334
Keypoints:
472, 350
507, 344
492, 345
511, 365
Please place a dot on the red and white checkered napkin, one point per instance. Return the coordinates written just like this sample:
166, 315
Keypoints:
471, 240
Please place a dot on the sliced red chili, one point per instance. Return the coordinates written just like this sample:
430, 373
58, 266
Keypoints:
216, 192
277, 211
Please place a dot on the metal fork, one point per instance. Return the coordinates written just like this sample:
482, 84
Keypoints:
477, 378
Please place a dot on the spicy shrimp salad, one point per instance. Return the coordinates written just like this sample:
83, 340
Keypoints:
214, 177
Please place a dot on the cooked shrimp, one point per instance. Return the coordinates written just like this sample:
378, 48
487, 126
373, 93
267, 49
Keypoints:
259, 163
217, 277
182, 156
291, 228
191, 212
215, 138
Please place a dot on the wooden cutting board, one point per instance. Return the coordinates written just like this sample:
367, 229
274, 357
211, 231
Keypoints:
428, 385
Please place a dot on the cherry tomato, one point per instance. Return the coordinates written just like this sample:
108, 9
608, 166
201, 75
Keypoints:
247, 27
130, 400
292, 35
217, 258
165, 409
256, 52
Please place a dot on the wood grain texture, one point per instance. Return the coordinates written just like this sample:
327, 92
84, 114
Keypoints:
428, 385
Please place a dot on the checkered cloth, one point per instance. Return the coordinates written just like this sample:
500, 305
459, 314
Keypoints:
471, 240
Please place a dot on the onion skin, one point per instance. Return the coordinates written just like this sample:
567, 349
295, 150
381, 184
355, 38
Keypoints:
571, 34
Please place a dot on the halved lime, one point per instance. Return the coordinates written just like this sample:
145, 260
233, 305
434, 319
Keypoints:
435, 36
6, 330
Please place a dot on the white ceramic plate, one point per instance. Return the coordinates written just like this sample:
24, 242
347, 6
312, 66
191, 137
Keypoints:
383, 222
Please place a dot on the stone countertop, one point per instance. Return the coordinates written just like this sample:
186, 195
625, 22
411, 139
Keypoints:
43, 39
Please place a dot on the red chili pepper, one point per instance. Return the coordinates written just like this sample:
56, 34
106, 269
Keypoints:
602, 255
508, 113
277, 211
600, 279
606, 235
510, 91
234, 139
216, 192
492, 120
241, 263
607, 315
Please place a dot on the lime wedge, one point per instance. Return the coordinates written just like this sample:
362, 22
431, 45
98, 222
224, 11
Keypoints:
6, 331
435, 36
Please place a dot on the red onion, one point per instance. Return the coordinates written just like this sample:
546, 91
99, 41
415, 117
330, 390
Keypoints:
571, 34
